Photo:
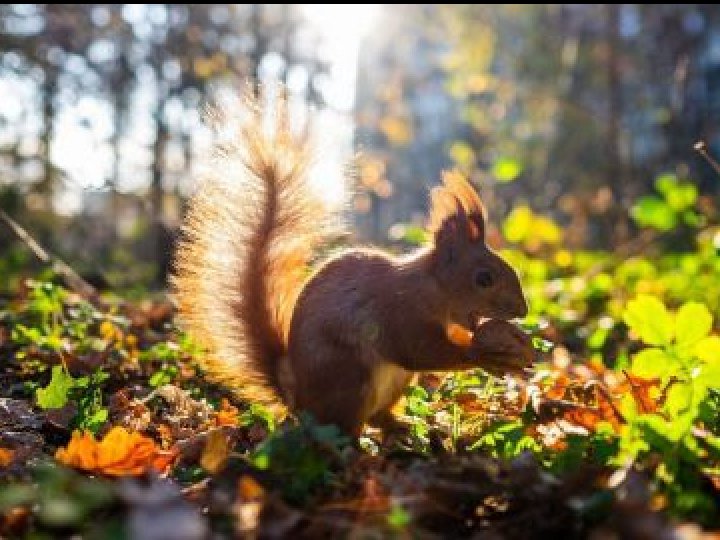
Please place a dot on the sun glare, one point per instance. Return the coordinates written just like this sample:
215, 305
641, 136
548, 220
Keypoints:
341, 29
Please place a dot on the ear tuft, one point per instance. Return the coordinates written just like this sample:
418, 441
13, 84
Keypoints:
457, 200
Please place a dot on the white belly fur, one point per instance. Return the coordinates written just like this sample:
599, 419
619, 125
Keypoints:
388, 384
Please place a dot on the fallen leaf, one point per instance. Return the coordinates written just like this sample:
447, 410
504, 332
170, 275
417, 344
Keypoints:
6, 457
249, 489
585, 417
560, 385
227, 415
109, 332
119, 453
216, 452
645, 392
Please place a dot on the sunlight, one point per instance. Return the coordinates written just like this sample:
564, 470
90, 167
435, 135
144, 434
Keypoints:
341, 28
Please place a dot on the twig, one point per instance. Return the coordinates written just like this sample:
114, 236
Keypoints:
701, 148
23, 235
72, 279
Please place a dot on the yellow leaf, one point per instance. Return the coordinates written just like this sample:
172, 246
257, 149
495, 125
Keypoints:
216, 452
109, 332
563, 258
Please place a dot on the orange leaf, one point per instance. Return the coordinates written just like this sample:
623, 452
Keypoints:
227, 415
249, 489
557, 390
584, 417
6, 457
119, 453
588, 417
643, 391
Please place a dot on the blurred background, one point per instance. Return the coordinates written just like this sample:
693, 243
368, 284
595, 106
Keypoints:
576, 122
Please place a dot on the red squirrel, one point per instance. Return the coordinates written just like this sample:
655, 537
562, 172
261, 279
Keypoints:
343, 341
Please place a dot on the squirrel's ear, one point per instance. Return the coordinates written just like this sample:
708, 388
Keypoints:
456, 201
476, 227
453, 235
448, 239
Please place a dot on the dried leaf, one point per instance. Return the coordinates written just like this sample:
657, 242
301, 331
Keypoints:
7, 456
557, 390
216, 452
227, 415
585, 417
249, 489
645, 391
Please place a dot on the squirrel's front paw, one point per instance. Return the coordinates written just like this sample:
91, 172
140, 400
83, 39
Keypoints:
500, 347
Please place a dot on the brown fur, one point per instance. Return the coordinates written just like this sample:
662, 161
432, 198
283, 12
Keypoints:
248, 237
344, 342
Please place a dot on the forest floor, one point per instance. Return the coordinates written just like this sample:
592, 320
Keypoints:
109, 430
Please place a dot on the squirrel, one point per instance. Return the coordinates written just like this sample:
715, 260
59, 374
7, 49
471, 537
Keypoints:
342, 341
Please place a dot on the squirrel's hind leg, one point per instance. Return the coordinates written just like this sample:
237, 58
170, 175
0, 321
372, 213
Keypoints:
333, 393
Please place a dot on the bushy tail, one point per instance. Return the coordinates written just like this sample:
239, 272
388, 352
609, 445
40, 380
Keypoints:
249, 236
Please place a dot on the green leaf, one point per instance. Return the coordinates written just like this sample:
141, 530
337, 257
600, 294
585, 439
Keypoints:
55, 394
16, 495
414, 235
506, 169
665, 182
652, 211
662, 429
648, 317
708, 349
257, 414
682, 197
398, 518
692, 323
654, 362
693, 219
159, 378
679, 399
261, 460
707, 374
93, 420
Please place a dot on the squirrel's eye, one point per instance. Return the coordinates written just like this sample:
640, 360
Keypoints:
484, 278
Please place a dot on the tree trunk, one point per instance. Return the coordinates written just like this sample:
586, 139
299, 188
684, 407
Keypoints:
161, 238
49, 89
617, 216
